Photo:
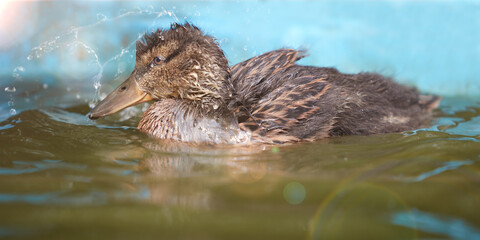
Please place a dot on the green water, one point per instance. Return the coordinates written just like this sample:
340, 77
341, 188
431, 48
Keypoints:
63, 176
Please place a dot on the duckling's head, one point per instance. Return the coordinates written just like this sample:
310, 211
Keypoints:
180, 63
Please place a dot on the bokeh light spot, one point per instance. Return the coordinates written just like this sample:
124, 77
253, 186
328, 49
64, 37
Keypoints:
275, 150
294, 193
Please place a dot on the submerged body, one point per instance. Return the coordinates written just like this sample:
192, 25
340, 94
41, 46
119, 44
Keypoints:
268, 98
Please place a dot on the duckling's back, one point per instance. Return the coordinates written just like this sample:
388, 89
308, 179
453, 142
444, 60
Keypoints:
280, 101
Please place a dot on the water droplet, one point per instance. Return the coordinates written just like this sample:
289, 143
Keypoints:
45, 86
29, 57
10, 89
97, 85
245, 48
77, 96
13, 111
101, 17
10, 103
19, 69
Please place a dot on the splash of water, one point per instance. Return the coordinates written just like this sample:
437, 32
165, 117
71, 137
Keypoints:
71, 38
11, 89
17, 72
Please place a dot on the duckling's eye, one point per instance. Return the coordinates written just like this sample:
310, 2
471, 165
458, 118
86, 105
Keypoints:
156, 61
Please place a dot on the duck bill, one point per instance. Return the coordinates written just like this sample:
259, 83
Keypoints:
125, 95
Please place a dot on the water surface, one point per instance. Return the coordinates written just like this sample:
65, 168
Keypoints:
63, 176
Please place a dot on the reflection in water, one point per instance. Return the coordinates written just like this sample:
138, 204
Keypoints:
183, 159
175, 161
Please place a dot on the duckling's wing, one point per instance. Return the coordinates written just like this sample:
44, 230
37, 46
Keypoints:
300, 109
302, 103
313, 103
254, 78
281, 101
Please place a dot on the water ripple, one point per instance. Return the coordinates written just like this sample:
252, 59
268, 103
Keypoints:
470, 128
446, 166
24, 167
12, 171
93, 197
434, 223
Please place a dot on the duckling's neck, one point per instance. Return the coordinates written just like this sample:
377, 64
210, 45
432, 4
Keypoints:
185, 121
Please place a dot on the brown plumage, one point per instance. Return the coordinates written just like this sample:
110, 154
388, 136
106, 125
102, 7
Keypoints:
268, 98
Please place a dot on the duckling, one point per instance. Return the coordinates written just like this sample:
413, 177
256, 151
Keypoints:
198, 98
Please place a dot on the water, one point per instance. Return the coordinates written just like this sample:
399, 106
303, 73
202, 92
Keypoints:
63, 176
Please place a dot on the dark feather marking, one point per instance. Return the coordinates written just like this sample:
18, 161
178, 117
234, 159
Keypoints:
292, 108
174, 54
149, 41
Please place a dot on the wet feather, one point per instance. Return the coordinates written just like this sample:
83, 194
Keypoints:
268, 98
